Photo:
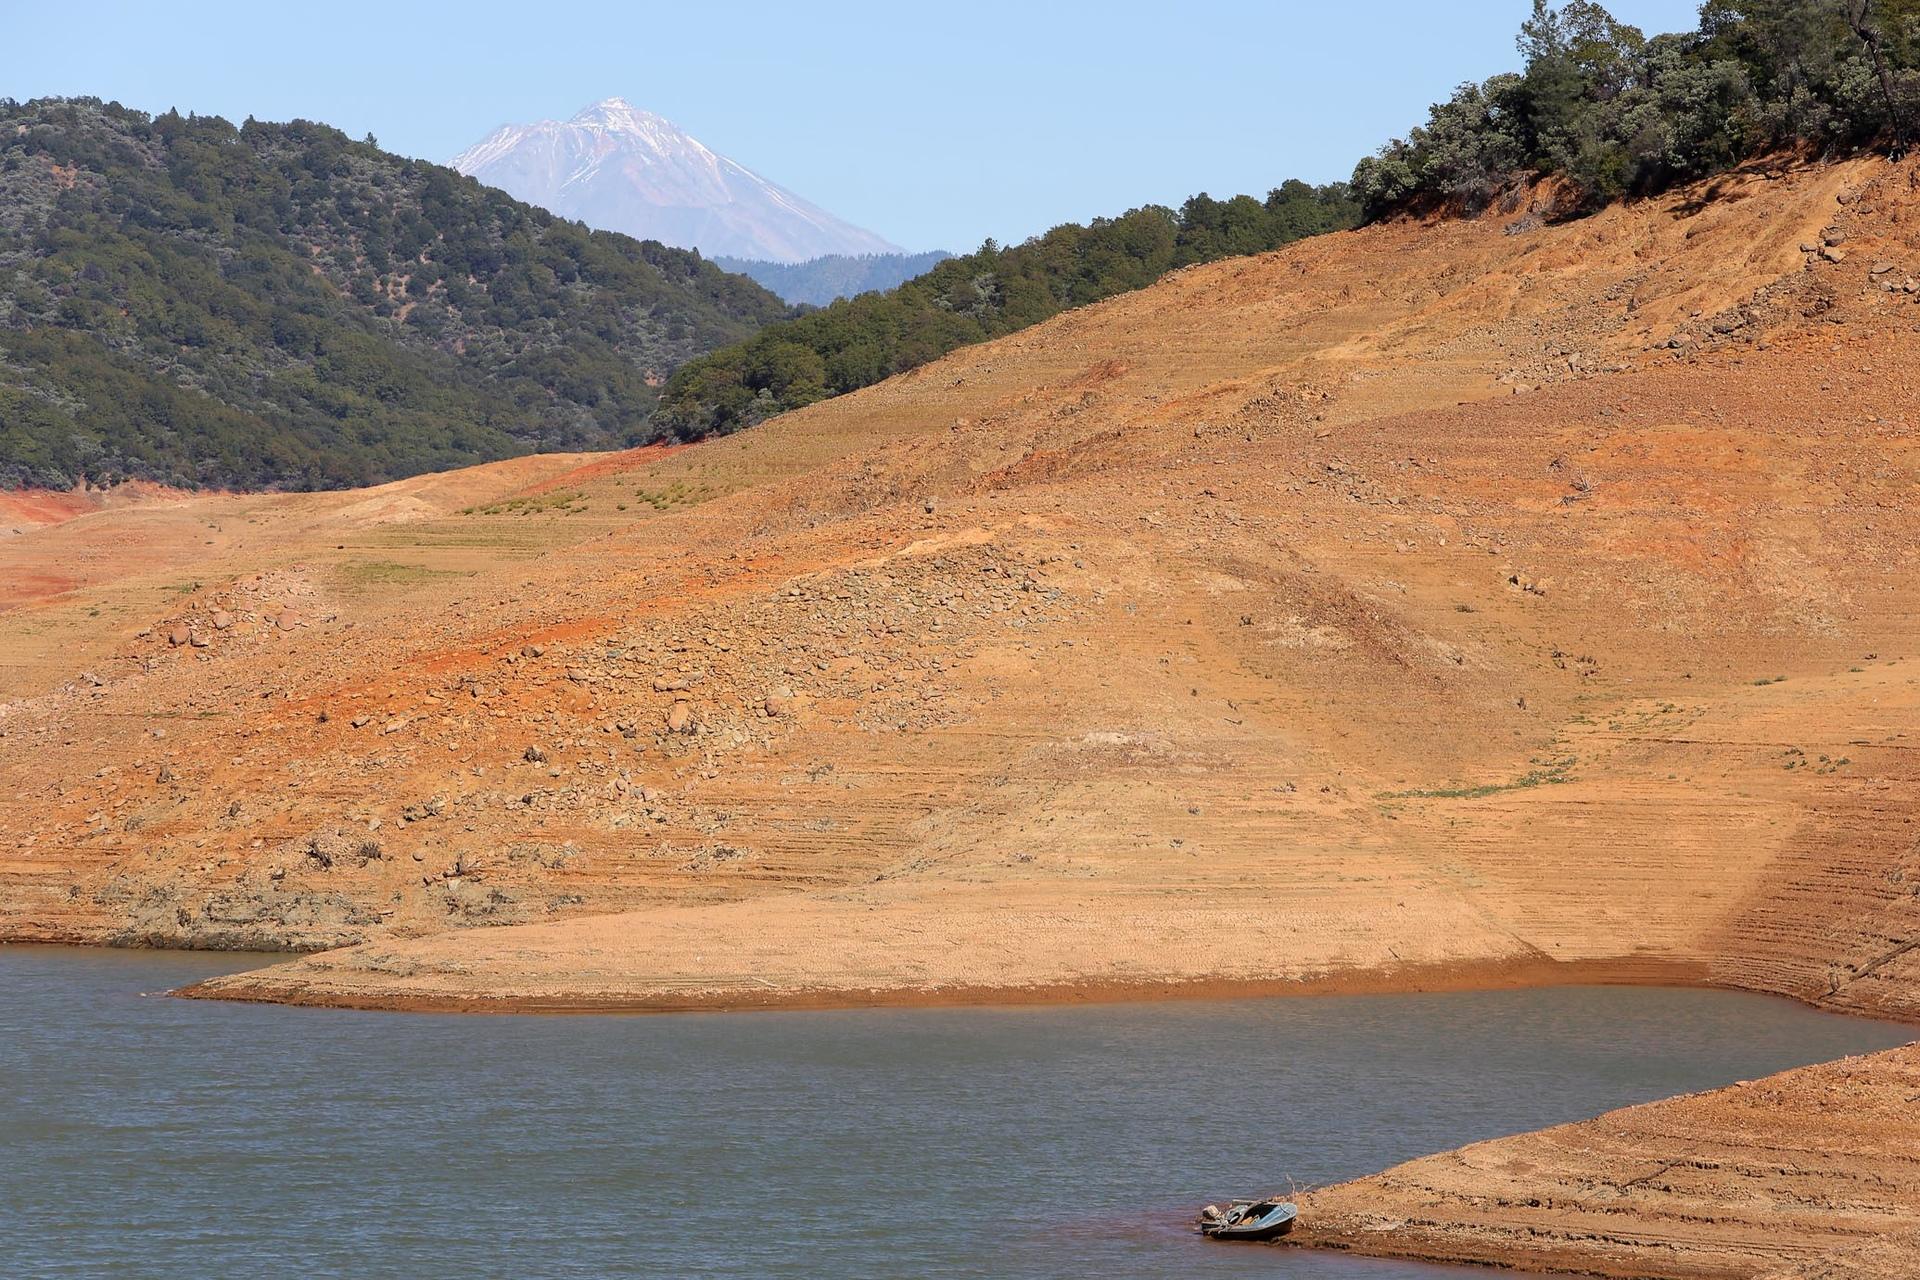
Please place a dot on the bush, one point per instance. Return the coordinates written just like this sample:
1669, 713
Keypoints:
1617, 114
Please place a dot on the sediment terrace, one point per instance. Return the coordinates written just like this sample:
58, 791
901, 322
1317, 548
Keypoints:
1483, 601
1810, 1173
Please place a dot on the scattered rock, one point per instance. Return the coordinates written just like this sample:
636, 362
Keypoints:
1524, 583
222, 619
179, 635
335, 848
288, 619
433, 808
680, 718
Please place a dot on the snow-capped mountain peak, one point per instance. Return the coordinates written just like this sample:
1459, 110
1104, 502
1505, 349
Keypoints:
618, 114
621, 168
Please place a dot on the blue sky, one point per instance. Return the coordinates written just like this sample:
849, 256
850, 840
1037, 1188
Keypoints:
934, 125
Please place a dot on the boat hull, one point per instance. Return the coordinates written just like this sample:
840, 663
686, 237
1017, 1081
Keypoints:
1276, 1222
1273, 1232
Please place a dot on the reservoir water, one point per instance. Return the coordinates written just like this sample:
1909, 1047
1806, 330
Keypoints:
153, 1137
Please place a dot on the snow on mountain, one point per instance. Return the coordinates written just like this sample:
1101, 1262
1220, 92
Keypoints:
619, 168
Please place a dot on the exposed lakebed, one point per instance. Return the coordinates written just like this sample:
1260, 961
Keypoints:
174, 1138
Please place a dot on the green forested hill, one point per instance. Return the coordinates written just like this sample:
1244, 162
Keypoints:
279, 306
993, 291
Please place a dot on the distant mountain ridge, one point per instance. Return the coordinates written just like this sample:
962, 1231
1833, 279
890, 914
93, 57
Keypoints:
820, 281
278, 306
618, 168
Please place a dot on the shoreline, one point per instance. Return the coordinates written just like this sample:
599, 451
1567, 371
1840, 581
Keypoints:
1805, 1174
1532, 1261
1491, 975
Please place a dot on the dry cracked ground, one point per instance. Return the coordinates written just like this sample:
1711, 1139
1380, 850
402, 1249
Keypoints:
1503, 600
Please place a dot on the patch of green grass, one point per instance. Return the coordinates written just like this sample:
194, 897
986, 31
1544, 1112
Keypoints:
1544, 773
383, 573
676, 494
562, 500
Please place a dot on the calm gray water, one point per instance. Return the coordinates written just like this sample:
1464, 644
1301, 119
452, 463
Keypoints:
143, 1136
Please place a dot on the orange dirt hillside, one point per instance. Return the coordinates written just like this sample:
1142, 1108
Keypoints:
1483, 601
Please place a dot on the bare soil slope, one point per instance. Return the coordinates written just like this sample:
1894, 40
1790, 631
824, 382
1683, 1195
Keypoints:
1489, 601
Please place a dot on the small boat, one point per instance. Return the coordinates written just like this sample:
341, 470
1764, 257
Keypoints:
1248, 1219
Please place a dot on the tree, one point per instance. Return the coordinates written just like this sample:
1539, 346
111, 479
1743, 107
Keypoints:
1864, 23
1617, 114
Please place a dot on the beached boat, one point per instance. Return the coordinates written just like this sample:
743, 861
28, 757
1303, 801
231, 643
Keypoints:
1248, 1220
